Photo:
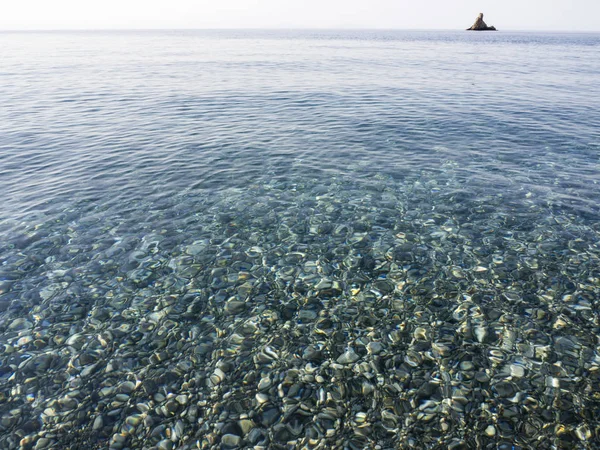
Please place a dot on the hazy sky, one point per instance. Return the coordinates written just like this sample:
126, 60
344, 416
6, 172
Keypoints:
577, 15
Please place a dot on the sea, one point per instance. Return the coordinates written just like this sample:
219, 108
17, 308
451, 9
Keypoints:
315, 239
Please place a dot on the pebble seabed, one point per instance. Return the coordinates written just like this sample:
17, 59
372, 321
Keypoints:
421, 313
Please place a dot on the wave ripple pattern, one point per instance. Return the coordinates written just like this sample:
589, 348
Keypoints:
317, 239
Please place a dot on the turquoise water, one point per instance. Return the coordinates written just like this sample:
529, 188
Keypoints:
316, 239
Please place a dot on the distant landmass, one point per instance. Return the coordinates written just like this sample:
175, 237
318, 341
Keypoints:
480, 25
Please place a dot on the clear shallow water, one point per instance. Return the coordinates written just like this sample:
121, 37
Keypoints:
397, 224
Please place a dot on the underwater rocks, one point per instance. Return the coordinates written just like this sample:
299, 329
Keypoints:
480, 25
336, 315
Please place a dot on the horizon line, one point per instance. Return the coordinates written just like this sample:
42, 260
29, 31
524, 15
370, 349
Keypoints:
38, 30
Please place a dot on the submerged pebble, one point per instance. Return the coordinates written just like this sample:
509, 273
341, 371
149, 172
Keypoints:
348, 357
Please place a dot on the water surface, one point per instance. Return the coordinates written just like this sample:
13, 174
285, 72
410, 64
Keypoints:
224, 239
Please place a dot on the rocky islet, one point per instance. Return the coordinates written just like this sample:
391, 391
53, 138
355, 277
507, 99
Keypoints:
480, 25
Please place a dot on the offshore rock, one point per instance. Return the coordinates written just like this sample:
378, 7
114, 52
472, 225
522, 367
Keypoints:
480, 25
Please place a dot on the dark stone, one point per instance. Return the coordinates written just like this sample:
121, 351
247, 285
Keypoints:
31, 426
232, 428
504, 389
149, 387
311, 353
269, 417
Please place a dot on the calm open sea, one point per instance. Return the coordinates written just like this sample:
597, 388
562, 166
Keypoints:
299, 239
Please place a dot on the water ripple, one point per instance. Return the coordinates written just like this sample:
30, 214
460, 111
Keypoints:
186, 214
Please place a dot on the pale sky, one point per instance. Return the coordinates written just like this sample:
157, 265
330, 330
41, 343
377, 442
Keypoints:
575, 15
